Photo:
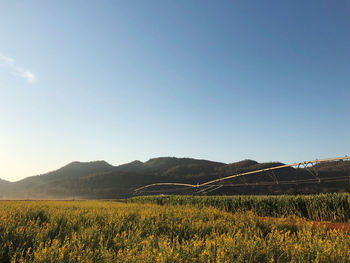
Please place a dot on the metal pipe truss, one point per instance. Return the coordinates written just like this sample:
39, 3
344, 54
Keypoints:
309, 166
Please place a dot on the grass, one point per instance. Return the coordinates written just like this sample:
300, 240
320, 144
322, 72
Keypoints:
322, 207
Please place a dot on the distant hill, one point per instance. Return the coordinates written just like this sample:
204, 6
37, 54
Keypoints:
98, 179
3, 185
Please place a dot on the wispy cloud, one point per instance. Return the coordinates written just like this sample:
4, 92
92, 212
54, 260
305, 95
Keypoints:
9, 63
29, 76
6, 59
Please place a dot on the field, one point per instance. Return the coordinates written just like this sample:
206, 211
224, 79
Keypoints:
322, 207
108, 231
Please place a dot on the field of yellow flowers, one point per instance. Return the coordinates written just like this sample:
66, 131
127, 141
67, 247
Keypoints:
106, 231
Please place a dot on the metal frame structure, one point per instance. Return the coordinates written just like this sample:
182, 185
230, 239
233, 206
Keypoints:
213, 185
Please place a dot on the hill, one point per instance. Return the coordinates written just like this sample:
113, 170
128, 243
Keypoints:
3, 186
98, 179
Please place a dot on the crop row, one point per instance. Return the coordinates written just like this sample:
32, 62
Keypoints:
323, 207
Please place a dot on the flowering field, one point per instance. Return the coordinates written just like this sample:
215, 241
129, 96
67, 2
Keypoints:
102, 231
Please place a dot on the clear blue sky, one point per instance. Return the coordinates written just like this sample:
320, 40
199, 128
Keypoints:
125, 80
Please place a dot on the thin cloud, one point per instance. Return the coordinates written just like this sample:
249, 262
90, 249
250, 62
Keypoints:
9, 63
29, 76
6, 59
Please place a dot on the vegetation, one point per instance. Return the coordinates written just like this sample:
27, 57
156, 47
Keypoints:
96, 231
322, 207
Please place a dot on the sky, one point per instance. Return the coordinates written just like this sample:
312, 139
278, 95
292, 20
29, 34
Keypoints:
123, 80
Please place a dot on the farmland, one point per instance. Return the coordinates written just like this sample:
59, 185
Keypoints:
322, 207
108, 231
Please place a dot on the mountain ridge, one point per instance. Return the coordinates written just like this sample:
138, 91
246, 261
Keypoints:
99, 179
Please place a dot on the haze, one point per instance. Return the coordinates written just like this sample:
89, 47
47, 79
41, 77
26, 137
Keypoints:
127, 80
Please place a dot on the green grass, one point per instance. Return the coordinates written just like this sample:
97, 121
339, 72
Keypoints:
322, 207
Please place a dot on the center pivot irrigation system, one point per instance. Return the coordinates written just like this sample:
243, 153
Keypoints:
209, 186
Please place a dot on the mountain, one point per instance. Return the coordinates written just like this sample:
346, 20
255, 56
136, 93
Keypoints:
70, 171
3, 184
3, 181
98, 179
